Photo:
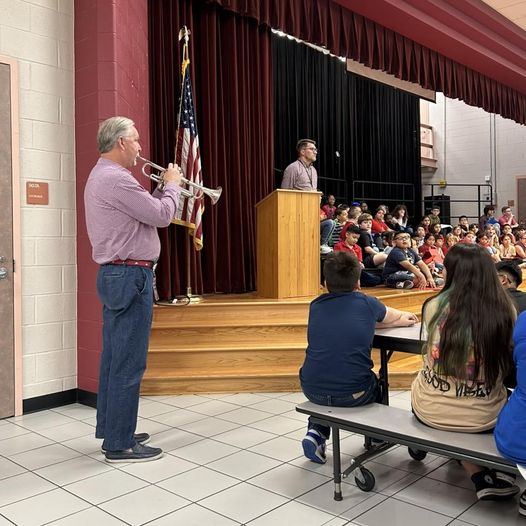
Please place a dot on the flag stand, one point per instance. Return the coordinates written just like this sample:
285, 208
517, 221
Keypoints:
191, 298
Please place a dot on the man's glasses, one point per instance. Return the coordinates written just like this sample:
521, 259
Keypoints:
315, 150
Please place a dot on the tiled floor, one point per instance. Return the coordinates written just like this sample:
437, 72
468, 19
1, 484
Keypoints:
229, 460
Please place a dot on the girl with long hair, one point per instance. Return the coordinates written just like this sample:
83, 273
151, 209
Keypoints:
468, 327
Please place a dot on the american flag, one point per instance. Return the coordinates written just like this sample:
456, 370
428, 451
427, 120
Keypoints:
190, 211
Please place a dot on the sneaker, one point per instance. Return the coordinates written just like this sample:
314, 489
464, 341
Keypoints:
511, 478
522, 503
314, 447
407, 284
489, 487
138, 453
325, 249
141, 438
439, 282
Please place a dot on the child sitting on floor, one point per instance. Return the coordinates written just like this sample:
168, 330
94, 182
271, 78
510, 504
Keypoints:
337, 370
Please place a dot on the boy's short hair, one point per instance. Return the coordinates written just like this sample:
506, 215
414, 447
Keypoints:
364, 217
435, 207
353, 229
399, 233
512, 270
341, 271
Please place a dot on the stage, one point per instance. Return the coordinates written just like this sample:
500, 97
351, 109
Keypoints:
235, 343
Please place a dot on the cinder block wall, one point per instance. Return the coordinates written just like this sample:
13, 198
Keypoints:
39, 34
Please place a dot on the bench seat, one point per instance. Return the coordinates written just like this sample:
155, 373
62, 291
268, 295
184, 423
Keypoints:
398, 426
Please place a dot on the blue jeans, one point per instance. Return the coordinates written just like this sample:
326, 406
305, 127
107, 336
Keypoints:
126, 294
402, 275
326, 228
369, 394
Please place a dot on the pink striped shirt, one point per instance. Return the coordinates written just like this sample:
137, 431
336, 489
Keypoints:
122, 217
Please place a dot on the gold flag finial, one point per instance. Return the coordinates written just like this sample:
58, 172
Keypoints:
184, 32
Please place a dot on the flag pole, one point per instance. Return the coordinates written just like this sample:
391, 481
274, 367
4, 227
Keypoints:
184, 34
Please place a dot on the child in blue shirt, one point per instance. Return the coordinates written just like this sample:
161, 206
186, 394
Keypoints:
337, 370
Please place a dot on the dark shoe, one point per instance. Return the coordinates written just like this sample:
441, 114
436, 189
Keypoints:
141, 438
138, 453
489, 487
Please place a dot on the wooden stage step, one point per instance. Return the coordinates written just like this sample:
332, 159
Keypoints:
233, 343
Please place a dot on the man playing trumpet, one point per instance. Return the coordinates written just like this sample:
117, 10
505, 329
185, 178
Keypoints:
122, 220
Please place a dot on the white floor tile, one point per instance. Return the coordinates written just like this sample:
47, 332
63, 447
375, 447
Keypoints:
44, 508
21, 487
245, 399
44, 456
280, 448
293, 513
243, 502
204, 451
322, 498
9, 469
230, 459
19, 444
145, 425
144, 505
279, 425
452, 473
397, 513
177, 418
154, 409
444, 501
492, 513
86, 444
244, 464
274, 405
214, 407
210, 426
174, 438
9, 430
89, 517
106, 486
244, 415
244, 437
295, 398
184, 400
289, 481
161, 469
198, 483
77, 411
73, 470
193, 515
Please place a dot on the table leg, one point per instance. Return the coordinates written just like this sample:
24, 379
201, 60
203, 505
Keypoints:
336, 462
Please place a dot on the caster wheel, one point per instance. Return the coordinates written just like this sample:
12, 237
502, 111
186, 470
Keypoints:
369, 481
416, 454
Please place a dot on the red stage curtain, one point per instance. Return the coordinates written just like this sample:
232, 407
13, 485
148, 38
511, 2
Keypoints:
231, 76
347, 34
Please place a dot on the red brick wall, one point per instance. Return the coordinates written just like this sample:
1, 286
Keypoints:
111, 78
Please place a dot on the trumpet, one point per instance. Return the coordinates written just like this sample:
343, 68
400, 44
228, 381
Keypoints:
214, 194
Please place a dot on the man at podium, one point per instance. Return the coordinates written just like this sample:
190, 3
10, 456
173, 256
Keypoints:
301, 175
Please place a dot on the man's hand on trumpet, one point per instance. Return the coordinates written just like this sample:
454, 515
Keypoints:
172, 174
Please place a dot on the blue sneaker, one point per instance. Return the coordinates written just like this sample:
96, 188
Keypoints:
314, 447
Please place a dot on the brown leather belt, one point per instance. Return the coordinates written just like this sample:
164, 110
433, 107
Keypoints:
132, 262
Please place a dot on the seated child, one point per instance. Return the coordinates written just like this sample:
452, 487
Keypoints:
337, 370
404, 268
350, 245
430, 254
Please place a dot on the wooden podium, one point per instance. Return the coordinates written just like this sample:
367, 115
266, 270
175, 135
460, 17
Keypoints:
288, 244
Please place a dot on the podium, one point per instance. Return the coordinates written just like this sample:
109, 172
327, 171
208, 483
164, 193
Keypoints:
288, 244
